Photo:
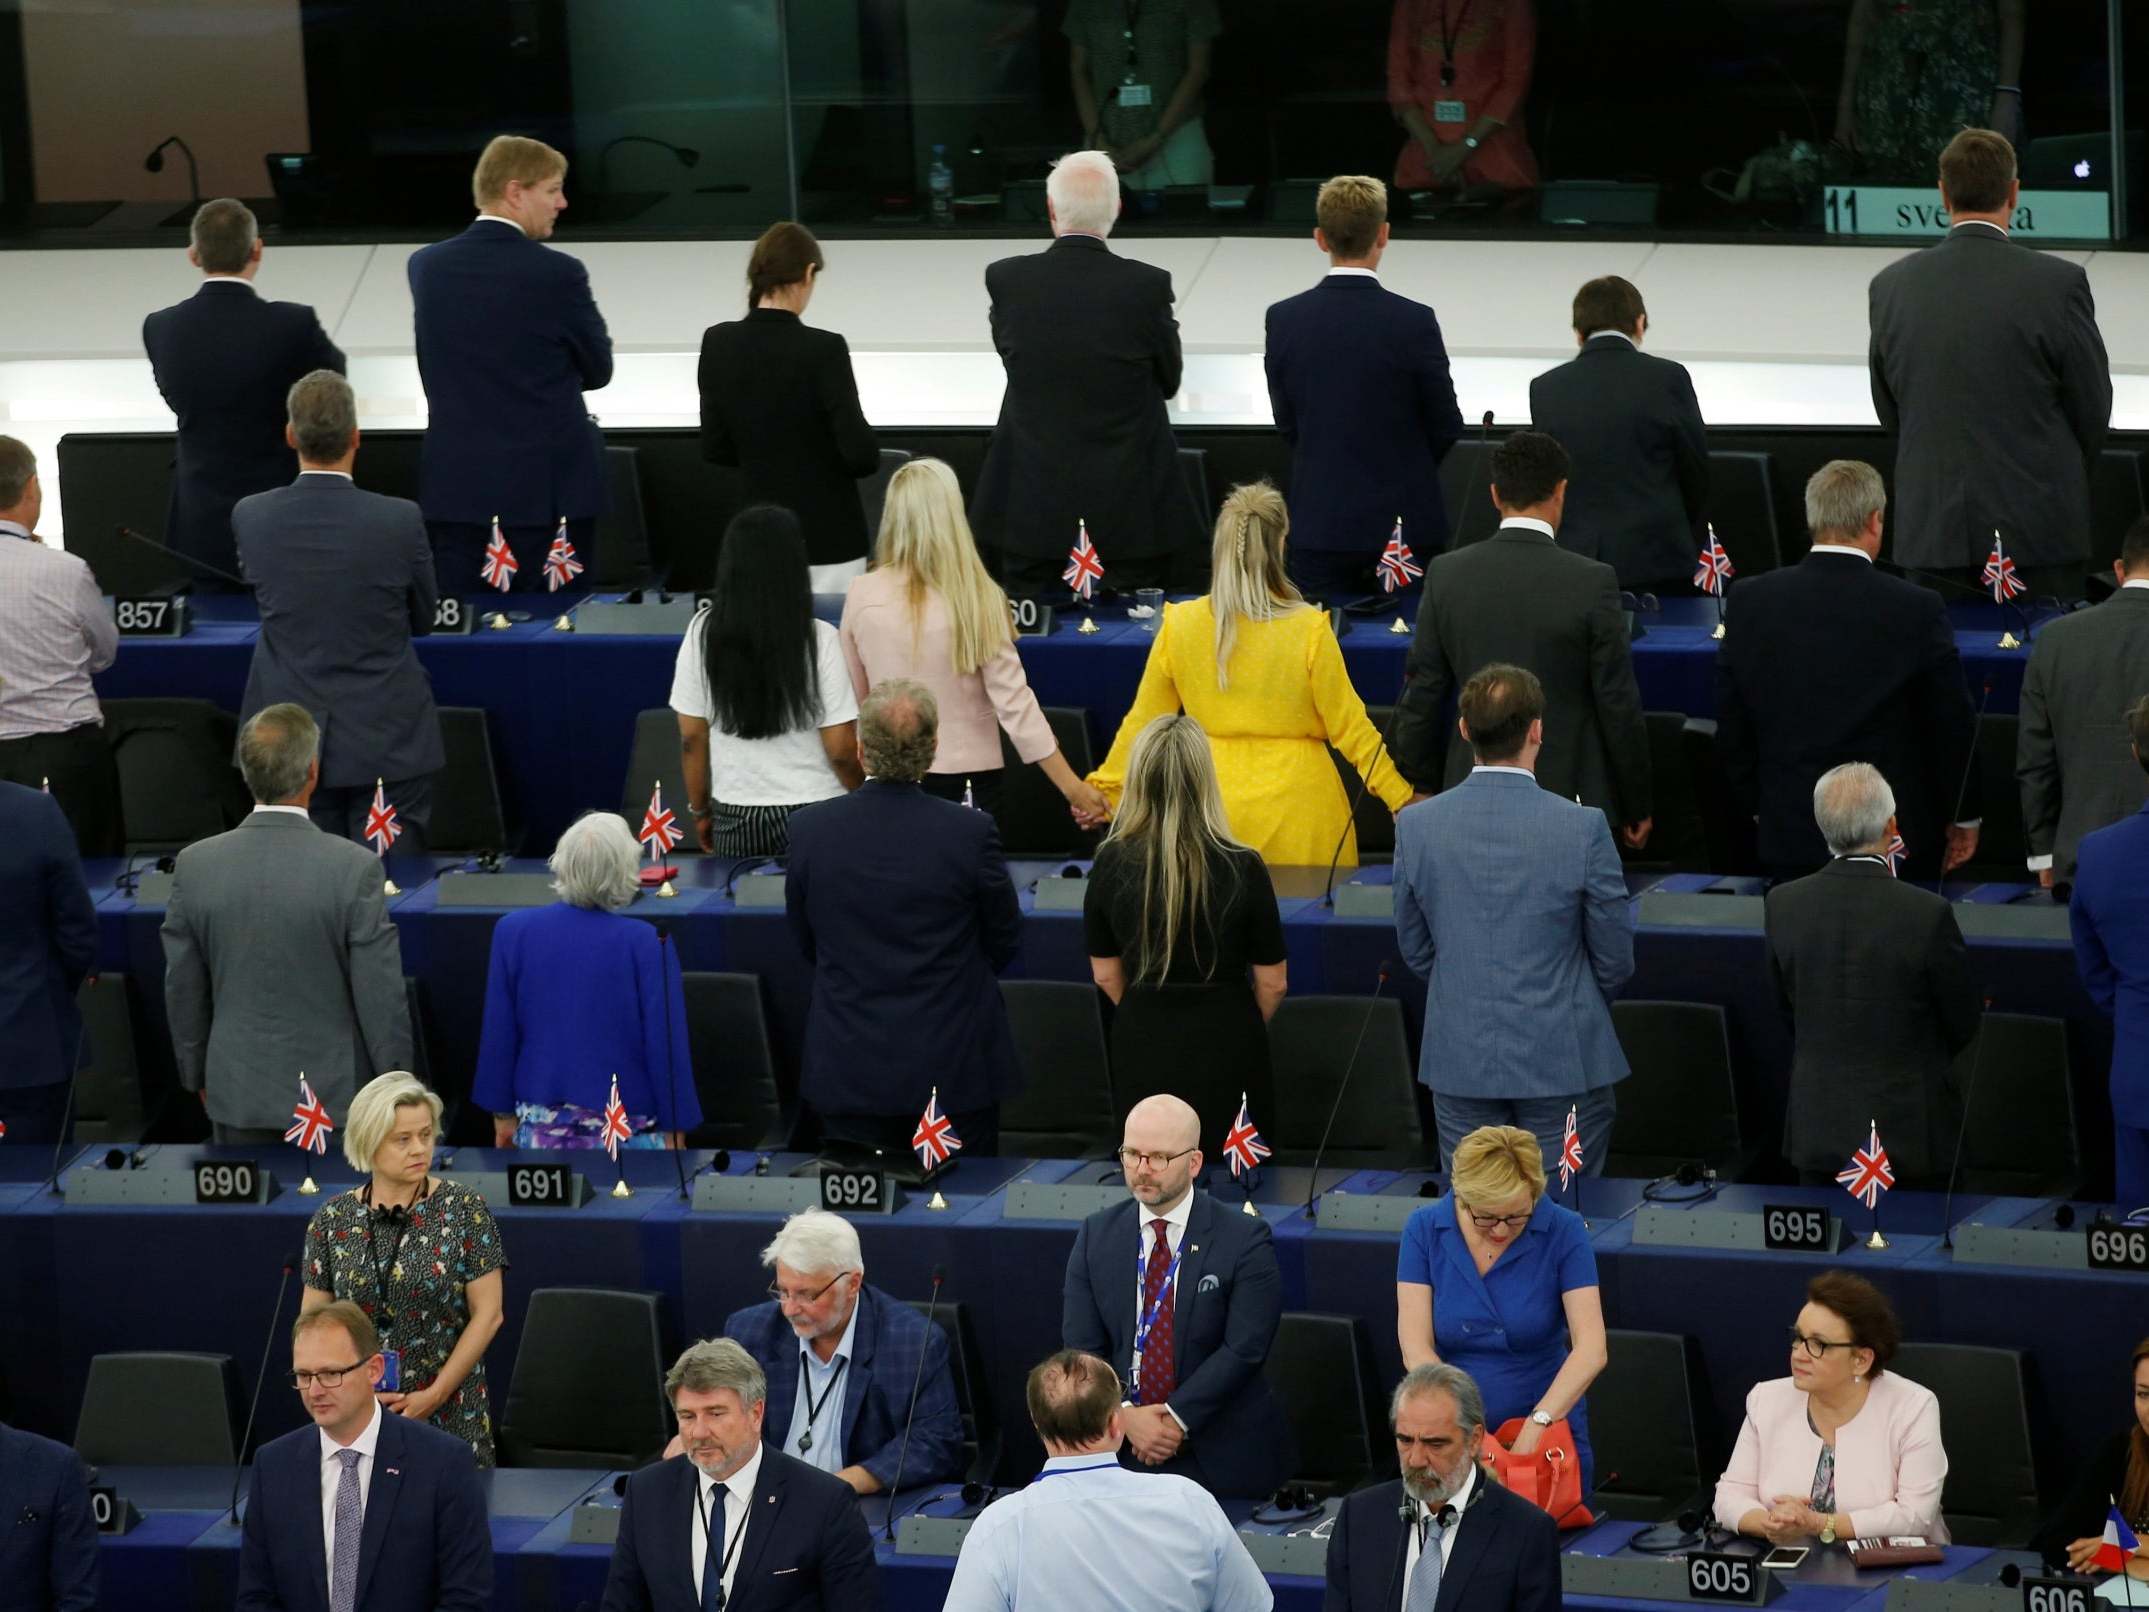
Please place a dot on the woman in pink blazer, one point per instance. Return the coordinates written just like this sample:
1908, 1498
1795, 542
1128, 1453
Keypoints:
1841, 1448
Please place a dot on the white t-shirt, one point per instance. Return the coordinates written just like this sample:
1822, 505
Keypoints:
792, 770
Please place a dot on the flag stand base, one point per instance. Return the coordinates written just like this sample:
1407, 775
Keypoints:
1401, 629
1089, 625
620, 1189
564, 621
2009, 641
498, 621
1719, 631
1876, 1240
390, 888
308, 1188
1247, 1208
938, 1202
665, 889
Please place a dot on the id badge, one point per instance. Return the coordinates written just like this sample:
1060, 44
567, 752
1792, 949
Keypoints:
391, 1372
1451, 112
1135, 95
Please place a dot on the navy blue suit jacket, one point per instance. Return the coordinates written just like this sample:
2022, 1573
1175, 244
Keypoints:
46, 944
425, 1545
344, 578
1229, 1304
903, 906
48, 1541
1359, 385
2110, 913
224, 360
806, 1549
1506, 1556
876, 1387
509, 338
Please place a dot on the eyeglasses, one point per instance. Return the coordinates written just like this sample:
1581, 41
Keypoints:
1487, 1222
1817, 1348
1129, 1157
781, 1297
303, 1380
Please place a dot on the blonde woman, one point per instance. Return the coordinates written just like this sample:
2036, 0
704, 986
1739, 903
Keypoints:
1184, 937
1260, 670
929, 612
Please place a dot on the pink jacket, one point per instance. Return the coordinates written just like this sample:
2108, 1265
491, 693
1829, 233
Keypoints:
1889, 1461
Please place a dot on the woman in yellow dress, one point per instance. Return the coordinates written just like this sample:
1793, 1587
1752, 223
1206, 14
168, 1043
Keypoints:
1260, 670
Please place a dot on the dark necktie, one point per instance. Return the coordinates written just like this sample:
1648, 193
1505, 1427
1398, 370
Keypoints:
1157, 1367
712, 1558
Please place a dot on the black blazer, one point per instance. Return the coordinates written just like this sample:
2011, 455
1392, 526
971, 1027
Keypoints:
806, 1549
509, 338
344, 579
1506, 1558
1092, 354
224, 360
47, 944
1987, 363
1359, 386
48, 1540
1224, 1321
1831, 660
2071, 743
1639, 491
1876, 980
778, 400
1519, 597
902, 905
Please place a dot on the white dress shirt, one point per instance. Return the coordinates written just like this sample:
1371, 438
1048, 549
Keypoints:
230, 279
296, 811
332, 1474
738, 1512
496, 218
1841, 548
1339, 269
827, 1451
1530, 524
1447, 1536
56, 630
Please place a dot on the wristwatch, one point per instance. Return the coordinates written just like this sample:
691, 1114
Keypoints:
702, 814
1542, 1418
1471, 142
1828, 1529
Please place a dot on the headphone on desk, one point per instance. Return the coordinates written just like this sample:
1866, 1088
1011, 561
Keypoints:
1294, 1502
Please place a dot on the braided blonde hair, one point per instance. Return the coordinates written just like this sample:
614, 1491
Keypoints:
1246, 566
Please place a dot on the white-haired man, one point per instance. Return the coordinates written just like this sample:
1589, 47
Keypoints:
1091, 351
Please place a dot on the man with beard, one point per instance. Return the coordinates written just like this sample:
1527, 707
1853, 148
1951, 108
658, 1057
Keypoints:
1443, 1519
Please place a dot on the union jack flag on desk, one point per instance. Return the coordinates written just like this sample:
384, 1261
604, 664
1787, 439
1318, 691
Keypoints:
310, 1122
500, 565
561, 566
1397, 568
1085, 567
616, 1126
660, 830
382, 830
1714, 568
1570, 1152
2000, 575
1870, 1174
934, 1141
1243, 1148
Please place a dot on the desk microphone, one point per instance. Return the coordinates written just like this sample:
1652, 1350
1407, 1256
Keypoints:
1484, 479
1313, 1186
1585, 1503
1358, 793
67, 1113
665, 956
1406, 1512
1962, 1131
261, 1378
932, 1304
186, 559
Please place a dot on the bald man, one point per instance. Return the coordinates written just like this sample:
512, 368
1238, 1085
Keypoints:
1188, 1297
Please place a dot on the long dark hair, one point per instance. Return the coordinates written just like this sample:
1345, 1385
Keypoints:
2134, 1492
758, 650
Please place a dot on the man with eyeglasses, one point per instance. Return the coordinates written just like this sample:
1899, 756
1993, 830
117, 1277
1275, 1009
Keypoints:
1189, 1295
313, 1491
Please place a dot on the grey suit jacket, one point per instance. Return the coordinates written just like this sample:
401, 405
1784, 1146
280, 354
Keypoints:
1987, 364
280, 960
2071, 744
344, 578
1510, 903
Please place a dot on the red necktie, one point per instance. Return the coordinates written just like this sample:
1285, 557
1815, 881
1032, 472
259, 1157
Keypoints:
1157, 1368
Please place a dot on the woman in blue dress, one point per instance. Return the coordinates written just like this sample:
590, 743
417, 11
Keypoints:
1497, 1280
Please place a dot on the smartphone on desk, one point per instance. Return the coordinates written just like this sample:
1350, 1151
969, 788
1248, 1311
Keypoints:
1785, 1557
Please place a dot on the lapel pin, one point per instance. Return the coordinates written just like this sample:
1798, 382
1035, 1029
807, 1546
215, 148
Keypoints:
392, 1471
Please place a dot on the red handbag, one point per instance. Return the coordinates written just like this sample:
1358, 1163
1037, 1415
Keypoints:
1549, 1477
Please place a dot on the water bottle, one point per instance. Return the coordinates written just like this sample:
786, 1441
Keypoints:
940, 182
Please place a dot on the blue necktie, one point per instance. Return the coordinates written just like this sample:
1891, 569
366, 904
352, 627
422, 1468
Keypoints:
712, 1558
1424, 1592
350, 1528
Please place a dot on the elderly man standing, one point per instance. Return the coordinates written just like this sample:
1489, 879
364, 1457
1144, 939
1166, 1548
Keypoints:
278, 953
1443, 1520
1092, 356
1876, 979
902, 905
1106, 1537
728, 1522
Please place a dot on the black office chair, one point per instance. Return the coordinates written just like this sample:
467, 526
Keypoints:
1727, 832
1466, 485
1679, 843
109, 1106
1742, 508
1065, 1108
656, 760
727, 1029
622, 557
1321, 1368
160, 1408
1311, 1040
1033, 816
2002, 842
2020, 1138
421, 1041
973, 1389
1194, 470
1645, 1429
1992, 1499
1680, 1104
2115, 503
588, 1382
873, 491
177, 783
1375, 823
467, 815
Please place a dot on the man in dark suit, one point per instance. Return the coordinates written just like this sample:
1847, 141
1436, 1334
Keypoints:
383, 1513
2110, 916
1987, 364
1359, 386
902, 906
1632, 425
1830, 660
1520, 598
344, 578
1876, 979
731, 1523
224, 359
1092, 356
47, 942
509, 339
1198, 1324
2071, 741
1443, 1535
48, 1548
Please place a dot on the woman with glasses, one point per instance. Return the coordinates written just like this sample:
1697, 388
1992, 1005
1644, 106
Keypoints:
2117, 1475
419, 1254
1841, 1448
1497, 1279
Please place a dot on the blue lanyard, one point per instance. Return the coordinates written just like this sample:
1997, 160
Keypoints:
1063, 1471
1149, 1319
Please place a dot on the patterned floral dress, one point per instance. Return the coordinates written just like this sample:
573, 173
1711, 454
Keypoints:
414, 1288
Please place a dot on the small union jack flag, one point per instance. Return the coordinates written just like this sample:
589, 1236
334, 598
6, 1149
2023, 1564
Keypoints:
616, 1127
1243, 1148
1870, 1174
1084, 568
1895, 851
934, 1141
381, 827
2000, 574
660, 831
1397, 568
310, 1124
561, 566
500, 564
1714, 568
1570, 1152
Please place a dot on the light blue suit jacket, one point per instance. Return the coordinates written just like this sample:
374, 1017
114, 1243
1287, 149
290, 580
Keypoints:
1510, 903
